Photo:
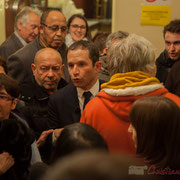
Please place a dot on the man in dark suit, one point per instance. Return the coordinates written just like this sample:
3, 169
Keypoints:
26, 28
171, 54
67, 104
52, 34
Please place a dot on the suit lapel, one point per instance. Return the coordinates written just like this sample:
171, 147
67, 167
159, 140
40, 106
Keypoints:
76, 112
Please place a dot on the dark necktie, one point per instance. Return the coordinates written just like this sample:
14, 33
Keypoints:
87, 96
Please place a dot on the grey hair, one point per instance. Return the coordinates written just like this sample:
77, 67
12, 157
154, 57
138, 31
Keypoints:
23, 15
114, 36
134, 53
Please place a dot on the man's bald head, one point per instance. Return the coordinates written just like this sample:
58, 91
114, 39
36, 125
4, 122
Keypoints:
46, 53
48, 69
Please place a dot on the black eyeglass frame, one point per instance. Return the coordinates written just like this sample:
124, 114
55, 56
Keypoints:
56, 28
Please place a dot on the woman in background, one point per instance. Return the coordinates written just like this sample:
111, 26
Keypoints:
155, 128
77, 29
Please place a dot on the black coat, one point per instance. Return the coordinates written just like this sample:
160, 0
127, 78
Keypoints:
36, 105
163, 64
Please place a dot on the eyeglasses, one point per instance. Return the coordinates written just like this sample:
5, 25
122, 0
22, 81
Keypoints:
77, 26
56, 28
6, 97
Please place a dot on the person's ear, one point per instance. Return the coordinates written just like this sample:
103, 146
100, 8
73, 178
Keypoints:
105, 51
19, 25
62, 68
130, 128
14, 103
33, 67
98, 66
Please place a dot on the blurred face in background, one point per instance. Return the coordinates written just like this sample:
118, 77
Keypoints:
77, 29
30, 30
172, 45
7, 103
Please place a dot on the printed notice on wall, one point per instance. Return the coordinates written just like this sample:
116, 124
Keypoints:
155, 12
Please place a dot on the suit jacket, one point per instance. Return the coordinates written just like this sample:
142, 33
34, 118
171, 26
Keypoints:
10, 46
63, 108
19, 63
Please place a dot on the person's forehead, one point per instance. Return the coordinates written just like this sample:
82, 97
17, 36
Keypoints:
55, 17
33, 17
79, 52
48, 60
78, 55
78, 20
172, 36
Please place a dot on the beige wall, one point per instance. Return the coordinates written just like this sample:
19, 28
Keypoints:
2, 21
126, 16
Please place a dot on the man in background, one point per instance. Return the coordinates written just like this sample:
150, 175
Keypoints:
52, 33
111, 39
26, 28
171, 54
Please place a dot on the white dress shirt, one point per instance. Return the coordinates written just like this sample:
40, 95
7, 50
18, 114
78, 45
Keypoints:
94, 90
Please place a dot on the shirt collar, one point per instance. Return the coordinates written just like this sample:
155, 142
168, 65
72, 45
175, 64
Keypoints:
20, 38
94, 90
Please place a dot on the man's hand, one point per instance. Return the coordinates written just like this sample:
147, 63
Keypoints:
43, 137
6, 162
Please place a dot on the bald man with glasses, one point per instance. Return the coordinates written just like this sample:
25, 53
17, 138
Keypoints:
52, 34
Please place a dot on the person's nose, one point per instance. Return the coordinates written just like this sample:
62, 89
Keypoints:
75, 70
50, 73
79, 29
172, 47
59, 32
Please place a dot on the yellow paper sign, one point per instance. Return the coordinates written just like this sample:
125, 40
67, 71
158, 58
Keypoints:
155, 15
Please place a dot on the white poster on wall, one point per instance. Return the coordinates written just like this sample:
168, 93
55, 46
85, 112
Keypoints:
157, 2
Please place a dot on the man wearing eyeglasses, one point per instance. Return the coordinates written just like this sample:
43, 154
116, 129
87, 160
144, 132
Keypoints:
52, 34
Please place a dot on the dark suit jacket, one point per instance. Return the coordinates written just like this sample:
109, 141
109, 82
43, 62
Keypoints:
64, 107
19, 63
10, 46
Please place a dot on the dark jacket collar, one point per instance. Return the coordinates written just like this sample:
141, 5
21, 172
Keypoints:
32, 90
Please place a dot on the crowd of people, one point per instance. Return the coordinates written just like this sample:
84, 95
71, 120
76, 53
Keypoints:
62, 92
